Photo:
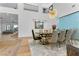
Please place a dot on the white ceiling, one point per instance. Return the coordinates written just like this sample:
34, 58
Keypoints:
66, 8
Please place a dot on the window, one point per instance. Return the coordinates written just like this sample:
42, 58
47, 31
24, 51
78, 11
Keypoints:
9, 5
30, 7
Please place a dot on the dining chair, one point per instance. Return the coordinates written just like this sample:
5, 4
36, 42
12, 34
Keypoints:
35, 37
40, 30
69, 36
54, 37
61, 36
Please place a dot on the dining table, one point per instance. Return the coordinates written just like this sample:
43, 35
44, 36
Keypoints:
44, 37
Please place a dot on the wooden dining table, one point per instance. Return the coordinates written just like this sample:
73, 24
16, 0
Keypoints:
44, 37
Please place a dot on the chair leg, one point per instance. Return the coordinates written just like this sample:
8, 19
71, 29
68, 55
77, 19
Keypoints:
59, 44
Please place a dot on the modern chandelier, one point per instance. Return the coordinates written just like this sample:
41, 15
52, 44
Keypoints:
52, 12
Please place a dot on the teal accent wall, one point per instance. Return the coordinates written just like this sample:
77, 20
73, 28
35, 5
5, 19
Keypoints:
70, 22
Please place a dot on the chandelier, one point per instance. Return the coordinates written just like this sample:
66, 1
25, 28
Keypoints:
52, 12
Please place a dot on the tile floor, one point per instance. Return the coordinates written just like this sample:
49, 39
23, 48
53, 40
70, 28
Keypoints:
38, 49
26, 47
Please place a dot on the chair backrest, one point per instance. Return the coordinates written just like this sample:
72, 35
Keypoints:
69, 34
41, 31
54, 37
61, 37
73, 34
33, 34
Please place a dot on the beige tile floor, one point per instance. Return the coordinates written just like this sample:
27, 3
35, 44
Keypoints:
14, 46
38, 49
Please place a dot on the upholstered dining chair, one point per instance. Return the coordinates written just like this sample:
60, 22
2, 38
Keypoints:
54, 37
61, 36
35, 37
41, 31
69, 36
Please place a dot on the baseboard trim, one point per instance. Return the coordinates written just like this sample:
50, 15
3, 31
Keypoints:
29, 37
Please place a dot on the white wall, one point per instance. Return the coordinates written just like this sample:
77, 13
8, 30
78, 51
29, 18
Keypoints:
26, 21
26, 18
0, 28
65, 8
